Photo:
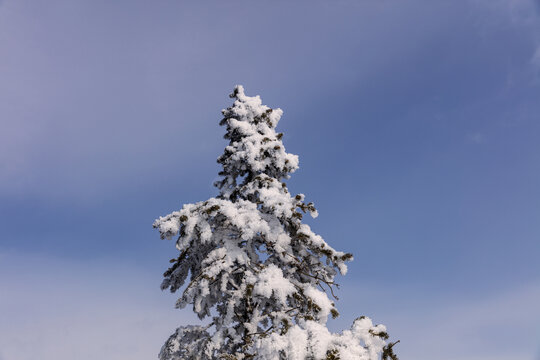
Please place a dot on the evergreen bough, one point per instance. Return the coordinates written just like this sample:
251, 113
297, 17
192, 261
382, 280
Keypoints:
248, 262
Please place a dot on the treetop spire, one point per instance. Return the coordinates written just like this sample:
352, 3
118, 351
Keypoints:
254, 146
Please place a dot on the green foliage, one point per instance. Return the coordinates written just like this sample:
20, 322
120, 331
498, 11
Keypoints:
332, 355
388, 352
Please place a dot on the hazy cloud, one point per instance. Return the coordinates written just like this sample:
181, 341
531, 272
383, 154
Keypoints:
112, 94
55, 309
502, 325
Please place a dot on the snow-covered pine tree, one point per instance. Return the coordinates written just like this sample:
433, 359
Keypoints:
254, 268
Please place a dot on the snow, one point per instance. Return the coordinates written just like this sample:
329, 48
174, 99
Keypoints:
253, 266
271, 283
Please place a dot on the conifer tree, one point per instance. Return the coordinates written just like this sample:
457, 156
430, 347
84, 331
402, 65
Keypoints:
247, 262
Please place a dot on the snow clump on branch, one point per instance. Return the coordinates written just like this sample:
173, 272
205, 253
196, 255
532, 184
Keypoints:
248, 262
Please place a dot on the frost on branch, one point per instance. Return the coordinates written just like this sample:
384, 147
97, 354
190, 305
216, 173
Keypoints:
248, 262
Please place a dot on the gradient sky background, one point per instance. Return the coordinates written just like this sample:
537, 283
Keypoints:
417, 124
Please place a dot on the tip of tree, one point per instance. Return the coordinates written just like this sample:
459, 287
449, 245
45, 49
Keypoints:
237, 92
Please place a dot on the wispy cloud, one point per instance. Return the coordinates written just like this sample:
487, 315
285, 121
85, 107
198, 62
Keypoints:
476, 138
513, 15
535, 61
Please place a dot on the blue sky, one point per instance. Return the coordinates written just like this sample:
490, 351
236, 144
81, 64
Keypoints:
417, 125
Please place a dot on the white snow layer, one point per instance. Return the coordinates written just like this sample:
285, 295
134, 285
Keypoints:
251, 261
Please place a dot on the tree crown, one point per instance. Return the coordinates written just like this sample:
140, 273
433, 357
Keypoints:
250, 258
